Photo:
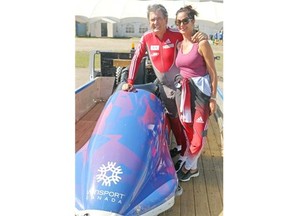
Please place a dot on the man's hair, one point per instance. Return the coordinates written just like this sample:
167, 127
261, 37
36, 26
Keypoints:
157, 7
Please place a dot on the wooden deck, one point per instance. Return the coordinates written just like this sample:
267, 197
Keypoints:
202, 196
84, 127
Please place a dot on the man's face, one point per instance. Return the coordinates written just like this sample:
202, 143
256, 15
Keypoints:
157, 22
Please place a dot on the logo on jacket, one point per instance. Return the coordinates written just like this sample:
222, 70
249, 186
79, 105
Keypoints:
154, 47
109, 174
199, 120
168, 44
154, 54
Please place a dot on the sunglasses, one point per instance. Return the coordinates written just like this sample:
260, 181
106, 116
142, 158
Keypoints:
185, 21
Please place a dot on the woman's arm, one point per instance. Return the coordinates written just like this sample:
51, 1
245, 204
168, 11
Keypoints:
206, 51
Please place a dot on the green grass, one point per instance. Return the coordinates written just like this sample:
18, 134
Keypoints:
81, 59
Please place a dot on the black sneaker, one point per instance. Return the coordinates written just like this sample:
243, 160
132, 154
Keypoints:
179, 165
187, 176
174, 152
180, 174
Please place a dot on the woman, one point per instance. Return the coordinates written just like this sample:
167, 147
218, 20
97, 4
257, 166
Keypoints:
196, 90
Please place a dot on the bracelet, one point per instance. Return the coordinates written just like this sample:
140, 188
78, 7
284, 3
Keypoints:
213, 98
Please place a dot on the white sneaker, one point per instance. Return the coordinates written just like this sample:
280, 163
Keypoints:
179, 190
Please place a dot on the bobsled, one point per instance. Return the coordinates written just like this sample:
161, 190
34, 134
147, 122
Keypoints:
125, 168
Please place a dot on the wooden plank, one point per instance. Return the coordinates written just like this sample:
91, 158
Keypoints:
85, 126
201, 203
215, 134
173, 211
214, 182
121, 62
94, 114
83, 133
93, 92
187, 204
216, 152
212, 187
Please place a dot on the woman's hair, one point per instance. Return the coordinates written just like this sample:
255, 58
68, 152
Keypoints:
157, 7
189, 11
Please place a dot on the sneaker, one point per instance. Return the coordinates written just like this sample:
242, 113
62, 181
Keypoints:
174, 152
187, 176
179, 190
179, 165
180, 174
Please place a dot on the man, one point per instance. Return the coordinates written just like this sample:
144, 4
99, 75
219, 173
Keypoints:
160, 43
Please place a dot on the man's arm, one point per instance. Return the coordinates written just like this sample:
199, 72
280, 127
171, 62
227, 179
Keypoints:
133, 68
136, 60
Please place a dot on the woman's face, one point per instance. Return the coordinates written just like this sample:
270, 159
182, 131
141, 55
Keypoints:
184, 23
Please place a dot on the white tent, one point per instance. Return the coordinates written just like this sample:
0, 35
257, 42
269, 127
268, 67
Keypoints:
210, 13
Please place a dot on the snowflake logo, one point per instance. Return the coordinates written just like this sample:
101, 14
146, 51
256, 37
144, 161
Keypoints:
109, 174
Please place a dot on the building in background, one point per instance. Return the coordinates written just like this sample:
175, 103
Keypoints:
103, 18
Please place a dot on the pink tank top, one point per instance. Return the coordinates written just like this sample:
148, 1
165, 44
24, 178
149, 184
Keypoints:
191, 64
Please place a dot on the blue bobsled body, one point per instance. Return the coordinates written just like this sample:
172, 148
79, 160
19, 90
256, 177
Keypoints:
125, 168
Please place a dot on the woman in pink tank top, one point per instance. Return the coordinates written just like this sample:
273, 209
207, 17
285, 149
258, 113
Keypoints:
196, 91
